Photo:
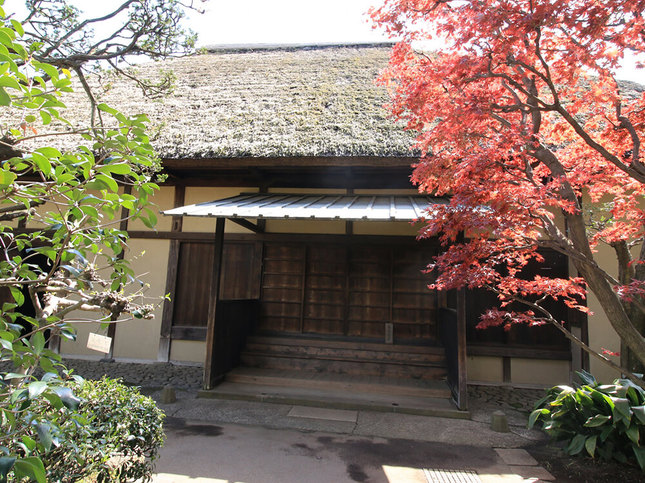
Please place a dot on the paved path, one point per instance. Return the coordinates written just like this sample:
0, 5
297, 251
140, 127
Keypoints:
198, 452
242, 441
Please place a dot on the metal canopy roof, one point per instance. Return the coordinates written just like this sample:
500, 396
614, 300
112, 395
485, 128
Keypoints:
311, 206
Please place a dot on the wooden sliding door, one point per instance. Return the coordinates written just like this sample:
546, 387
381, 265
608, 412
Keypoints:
350, 290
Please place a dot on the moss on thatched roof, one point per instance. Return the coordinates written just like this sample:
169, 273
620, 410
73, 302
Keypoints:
267, 101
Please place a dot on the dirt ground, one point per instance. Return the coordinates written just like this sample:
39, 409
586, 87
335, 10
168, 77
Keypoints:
518, 404
581, 468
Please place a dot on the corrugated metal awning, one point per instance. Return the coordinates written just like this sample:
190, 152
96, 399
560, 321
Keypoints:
311, 206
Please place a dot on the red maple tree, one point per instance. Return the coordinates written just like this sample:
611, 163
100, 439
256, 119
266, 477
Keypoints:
523, 123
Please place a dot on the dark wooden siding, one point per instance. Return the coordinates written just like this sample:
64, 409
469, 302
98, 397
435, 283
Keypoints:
240, 274
348, 290
520, 335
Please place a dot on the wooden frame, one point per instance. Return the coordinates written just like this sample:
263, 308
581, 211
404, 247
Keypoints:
171, 278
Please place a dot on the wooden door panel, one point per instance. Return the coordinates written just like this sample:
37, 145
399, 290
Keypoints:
348, 290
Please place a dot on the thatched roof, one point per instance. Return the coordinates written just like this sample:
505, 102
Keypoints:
267, 101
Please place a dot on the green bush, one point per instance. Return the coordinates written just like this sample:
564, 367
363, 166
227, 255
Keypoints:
114, 435
604, 420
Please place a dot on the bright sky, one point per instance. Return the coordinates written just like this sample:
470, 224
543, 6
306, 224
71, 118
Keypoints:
264, 21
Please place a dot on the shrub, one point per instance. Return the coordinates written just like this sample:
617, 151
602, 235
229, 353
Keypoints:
114, 435
607, 420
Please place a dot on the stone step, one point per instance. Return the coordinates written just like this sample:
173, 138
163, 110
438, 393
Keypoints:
430, 371
427, 406
338, 382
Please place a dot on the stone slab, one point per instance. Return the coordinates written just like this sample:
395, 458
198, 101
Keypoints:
516, 457
323, 413
533, 473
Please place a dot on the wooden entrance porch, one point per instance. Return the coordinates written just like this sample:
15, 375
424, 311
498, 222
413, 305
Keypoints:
348, 309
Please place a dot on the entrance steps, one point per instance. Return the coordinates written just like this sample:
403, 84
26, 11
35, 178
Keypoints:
330, 356
428, 398
342, 374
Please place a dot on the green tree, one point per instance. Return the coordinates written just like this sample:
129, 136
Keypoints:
60, 242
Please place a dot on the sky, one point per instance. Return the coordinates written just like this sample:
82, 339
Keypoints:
265, 21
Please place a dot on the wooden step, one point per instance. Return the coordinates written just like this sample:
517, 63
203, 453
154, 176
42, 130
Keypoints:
345, 344
344, 352
338, 382
345, 366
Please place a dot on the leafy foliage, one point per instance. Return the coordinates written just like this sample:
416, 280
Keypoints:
114, 435
521, 120
605, 420
61, 250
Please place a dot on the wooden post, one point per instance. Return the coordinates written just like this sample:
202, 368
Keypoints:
123, 226
210, 367
171, 279
462, 381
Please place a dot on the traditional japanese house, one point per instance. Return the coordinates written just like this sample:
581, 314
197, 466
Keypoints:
289, 250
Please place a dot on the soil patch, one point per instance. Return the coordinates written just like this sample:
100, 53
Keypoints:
583, 469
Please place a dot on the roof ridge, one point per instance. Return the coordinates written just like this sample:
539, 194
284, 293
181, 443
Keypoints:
231, 48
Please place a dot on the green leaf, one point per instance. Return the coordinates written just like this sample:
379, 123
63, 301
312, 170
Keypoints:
597, 420
8, 81
535, 415
17, 295
38, 342
6, 463
42, 163
45, 435
586, 378
49, 152
36, 388
633, 433
111, 184
621, 408
639, 412
17, 26
7, 177
590, 445
30, 467
48, 69
119, 168
576, 444
5, 99
639, 452
67, 396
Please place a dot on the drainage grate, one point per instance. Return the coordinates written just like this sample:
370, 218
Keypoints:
451, 476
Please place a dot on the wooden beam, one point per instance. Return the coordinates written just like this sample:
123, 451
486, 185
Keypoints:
519, 352
288, 237
188, 333
248, 225
506, 369
210, 369
281, 162
123, 226
163, 354
462, 378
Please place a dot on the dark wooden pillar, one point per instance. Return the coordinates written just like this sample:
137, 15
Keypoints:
171, 279
211, 370
462, 382
123, 226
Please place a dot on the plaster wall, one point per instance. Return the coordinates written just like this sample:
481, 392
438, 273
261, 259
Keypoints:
200, 194
188, 351
163, 199
484, 369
